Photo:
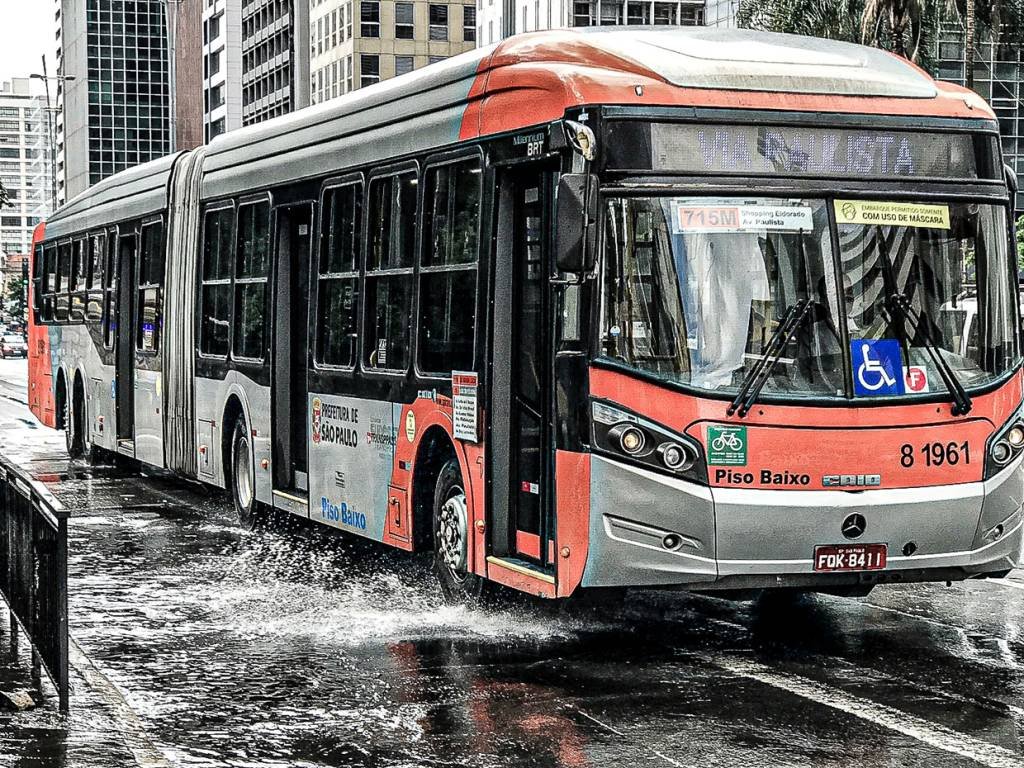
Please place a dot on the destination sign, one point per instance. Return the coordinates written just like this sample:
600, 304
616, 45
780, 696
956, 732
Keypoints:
802, 151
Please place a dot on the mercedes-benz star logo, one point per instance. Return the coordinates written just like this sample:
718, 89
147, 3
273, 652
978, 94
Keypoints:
854, 526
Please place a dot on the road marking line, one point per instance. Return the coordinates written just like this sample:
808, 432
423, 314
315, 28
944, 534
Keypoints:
1008, 583
932, 734
617, 732
127, 722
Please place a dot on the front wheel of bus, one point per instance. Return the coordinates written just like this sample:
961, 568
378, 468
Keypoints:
451, 539
243, 486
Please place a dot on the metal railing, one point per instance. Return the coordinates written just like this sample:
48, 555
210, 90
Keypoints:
34, 572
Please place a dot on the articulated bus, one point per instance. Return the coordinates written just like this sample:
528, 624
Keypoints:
580, 310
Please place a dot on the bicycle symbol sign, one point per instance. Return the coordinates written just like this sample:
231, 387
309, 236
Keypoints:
877, 367
727, 446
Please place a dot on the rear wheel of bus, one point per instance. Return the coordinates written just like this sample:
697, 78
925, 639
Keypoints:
451, 539
74, 421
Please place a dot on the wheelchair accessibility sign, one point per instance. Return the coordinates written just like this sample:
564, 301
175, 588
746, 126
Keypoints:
877, 367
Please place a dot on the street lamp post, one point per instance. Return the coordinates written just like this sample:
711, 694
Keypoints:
51, 127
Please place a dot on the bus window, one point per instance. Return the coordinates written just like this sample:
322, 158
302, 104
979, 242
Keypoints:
338, 276
77, 282
447, 316
151, 278
215, 303
110, 292
392, 237
94, 283
251, 269
62, 285
49, 282
37, 281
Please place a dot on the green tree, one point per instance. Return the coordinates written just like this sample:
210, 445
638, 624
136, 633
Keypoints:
15, 299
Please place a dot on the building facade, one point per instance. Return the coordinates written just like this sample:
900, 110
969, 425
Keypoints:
498, 19
275, 58
999, 78
222, 67
19, 142
115, 113
41, 192
354, 43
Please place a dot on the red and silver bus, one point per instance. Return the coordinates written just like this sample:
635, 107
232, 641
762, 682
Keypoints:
580, 310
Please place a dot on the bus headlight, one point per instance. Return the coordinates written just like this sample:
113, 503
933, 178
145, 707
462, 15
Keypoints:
1001, 452
630, 438
1015, 437
675, 457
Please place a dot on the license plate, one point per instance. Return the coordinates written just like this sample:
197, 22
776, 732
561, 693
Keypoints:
849, 557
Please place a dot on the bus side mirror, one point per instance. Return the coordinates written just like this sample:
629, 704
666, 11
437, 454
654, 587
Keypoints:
576, 219
1011, 181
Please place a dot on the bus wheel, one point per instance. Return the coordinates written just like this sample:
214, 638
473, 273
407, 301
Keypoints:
74, 409
243, 486
451, 539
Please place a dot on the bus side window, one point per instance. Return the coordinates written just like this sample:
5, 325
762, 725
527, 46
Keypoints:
252, 267
110, 291
391, 215
62, 285
150, 296
37, 281
94, 283
77, 281
49, 282
338, 276
448, 268
215, 299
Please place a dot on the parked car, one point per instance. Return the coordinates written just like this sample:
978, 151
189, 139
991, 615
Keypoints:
12, 345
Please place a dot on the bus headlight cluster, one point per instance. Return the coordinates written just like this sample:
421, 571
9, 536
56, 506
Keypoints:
626, 435
1005, 445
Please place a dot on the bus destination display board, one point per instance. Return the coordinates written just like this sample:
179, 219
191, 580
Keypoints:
805, 151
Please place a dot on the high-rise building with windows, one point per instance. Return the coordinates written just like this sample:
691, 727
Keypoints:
498, 19
19, 139
275, 58
354, 43
115, 113
999, 78
222, 67
41, 177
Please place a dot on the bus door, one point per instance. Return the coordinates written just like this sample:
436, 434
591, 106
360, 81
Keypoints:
522, 459
291, 347
127, 254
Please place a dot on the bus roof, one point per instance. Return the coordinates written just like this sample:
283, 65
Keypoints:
534, 78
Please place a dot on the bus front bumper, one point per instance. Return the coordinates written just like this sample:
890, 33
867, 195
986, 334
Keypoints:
648, 529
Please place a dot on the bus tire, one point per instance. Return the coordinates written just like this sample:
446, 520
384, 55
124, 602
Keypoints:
242, 477
74, 423
451, 540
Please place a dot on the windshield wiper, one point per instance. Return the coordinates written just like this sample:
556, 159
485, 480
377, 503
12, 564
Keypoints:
961, 400
754, 381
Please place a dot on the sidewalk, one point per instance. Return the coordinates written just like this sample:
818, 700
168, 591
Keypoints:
42, 738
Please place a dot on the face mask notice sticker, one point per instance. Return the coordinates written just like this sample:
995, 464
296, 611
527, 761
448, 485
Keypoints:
891, 214
877, 367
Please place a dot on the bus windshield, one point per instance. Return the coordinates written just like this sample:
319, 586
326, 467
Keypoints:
695, 288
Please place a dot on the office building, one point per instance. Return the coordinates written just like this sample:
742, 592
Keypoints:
275, 58
498, 19
222, 67
19, 139
41, 177
358, 43
999, 78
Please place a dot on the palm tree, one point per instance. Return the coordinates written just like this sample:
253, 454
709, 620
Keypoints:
902, 19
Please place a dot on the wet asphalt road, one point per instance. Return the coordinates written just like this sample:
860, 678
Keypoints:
201, 645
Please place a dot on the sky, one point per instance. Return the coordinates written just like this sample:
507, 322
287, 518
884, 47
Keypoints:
27, 31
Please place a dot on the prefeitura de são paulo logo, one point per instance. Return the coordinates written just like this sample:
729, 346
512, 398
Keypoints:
318, 407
